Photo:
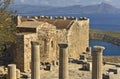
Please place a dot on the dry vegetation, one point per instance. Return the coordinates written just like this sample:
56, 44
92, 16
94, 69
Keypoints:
109, 33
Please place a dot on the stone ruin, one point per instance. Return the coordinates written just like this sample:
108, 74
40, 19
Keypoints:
112, 73
97, 62
95, 66
63, 65
49, 31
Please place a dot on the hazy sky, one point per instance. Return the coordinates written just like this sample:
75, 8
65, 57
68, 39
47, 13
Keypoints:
115, 3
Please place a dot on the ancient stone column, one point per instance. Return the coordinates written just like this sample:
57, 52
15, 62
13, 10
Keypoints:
97, 62
11, 71
35, 56
63, 61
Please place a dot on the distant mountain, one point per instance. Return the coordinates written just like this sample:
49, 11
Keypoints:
98, 8
29, 8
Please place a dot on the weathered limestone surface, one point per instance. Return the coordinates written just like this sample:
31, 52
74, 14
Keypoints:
23, 51
61, 36
11, 71
114, 76
97, 62
19, 54
18, 74
63, 61
35, 60
78, 38
112, 59
50, 32
47, 37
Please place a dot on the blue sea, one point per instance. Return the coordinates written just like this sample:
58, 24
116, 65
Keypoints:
109, 22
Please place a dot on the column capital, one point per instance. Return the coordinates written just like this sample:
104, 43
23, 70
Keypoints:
9, 65
35, 43
63, 45
98, 48
11, 71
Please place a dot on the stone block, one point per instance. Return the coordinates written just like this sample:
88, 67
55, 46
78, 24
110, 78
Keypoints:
42, 63
83, 57
80, 61
49, 67
71, 60
57, 62
42, 67
108, 75
87, 66
117, 65
18, 73
26, 76
114, 70
115, 76
54, 63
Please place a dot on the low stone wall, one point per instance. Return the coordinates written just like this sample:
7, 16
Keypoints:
112, 59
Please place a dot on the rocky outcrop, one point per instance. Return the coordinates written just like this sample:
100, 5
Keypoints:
105, 38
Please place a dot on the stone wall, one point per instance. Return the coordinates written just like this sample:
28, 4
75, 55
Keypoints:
23, 51
47, 38
48, 45
19, 55
78, 38
61, 37
84, 34
111, 59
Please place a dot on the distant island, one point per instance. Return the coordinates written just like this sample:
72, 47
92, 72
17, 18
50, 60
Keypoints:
102, 8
